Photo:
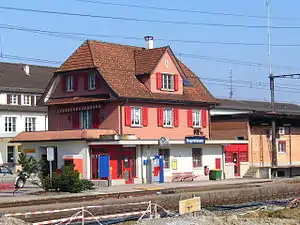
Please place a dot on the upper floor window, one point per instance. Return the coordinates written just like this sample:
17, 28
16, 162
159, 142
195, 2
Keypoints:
26, 100
70, 83
167, 81
136, 116
30, 123
10, 124
168, 117
282, 146
13, 100
197, 122
92, 81
86, 119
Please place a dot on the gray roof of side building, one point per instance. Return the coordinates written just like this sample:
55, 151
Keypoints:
23, 108
258, 106
14, 79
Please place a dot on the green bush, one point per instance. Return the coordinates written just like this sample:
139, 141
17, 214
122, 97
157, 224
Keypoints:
67, 181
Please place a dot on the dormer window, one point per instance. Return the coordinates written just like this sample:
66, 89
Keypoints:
92, 81
167, 81
13, 100
70, 83
26, 100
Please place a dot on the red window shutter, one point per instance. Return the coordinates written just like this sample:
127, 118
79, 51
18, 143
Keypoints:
75, 80
64, 83
190, 117
176, 82
160, 117
204, 118
158, 81
96, 118
75, 120
86, 81
176, 117
145, 116
218, 163
127, 116
98, 81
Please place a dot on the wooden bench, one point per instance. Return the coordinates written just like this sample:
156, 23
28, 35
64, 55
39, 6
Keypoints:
183, 176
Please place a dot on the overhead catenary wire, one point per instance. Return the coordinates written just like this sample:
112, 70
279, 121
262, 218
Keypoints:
185, 10
175, 22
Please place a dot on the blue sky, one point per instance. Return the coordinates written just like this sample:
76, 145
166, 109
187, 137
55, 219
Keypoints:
250, 82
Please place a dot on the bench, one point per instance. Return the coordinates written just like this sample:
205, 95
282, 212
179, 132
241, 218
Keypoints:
183, 176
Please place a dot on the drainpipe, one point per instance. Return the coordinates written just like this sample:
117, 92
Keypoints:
121, 116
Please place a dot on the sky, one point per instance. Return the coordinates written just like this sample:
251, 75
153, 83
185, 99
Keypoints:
218, 50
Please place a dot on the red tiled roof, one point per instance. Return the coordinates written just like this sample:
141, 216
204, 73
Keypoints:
62, 135
119, 65
61, 101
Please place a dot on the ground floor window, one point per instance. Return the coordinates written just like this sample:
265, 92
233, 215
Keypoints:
166, 154
282, 146
197, 157
10, 154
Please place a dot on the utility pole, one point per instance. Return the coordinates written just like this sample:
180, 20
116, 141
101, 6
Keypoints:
231, 89
272, 88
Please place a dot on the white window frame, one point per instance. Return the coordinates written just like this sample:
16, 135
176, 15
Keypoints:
30, 124
92, 81
136, 116
70, 83
168, 117
168, 83
13, 100
279, 149
197, 118
26, 99
10, 124
86, 120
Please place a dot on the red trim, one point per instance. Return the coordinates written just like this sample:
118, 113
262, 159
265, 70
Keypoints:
176, 117
127, 116
160, 117
158, 81
75, 82
145, 116
190, 117
75, 120
176, 82
204, 118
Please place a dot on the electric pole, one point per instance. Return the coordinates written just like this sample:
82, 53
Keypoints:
231, 89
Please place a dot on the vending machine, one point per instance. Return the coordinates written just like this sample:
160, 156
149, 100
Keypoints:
155, 169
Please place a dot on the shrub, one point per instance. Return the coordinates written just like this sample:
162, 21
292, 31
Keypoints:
66, 181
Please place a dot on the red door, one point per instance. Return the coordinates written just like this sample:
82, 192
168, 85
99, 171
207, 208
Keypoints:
128, 165
94, 169
236, 162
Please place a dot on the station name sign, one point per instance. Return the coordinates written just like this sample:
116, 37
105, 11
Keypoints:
195, 140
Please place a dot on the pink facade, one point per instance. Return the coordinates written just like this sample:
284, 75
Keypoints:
153, 131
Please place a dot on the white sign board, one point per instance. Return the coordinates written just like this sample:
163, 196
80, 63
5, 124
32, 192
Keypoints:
189, 205
50, 153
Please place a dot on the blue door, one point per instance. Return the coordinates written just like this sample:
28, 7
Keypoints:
103, 165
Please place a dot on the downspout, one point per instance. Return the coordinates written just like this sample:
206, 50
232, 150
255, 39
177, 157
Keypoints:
290, 146
223, 162
121, 116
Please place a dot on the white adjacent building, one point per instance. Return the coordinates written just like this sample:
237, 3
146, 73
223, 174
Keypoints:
20, 89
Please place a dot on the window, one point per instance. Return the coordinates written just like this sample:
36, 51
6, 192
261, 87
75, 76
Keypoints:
136, 116
26, 100
86, 119
197, 118
13, 100
70, 83
30, 123
168, 117
197, 157
166, 154
10, 124
92, 81
10, 154
282, 146
168, 81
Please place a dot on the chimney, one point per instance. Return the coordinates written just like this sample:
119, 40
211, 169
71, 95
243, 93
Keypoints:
149, 41
26, 69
